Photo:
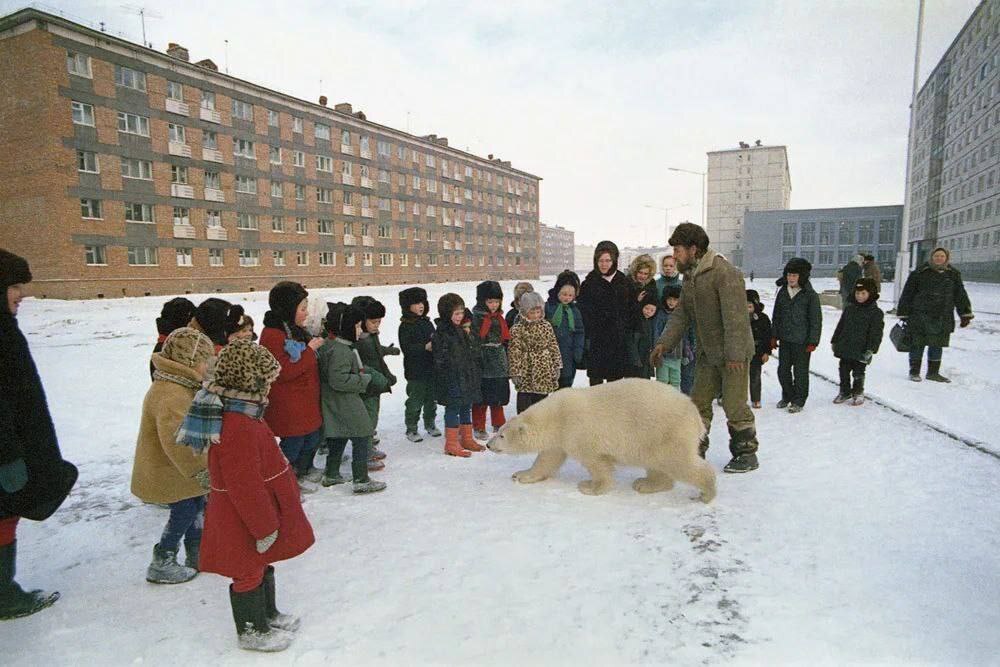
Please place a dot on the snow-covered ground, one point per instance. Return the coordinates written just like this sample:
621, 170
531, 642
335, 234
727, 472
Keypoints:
866, 536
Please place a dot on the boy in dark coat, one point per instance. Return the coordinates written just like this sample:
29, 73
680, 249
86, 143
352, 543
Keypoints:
372, 354
856, 339
492, 332
457, 379
415, 333
760, 326
797, 322
563, 314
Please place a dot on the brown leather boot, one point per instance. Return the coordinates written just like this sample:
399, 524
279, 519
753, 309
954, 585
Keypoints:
467, 439
451, 443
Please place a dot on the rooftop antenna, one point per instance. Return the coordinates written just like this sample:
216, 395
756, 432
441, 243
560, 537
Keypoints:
227, 58
143, 13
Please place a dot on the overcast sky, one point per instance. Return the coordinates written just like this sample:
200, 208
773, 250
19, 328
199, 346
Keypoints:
597, 98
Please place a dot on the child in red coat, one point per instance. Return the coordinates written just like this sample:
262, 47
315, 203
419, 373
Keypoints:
254, 515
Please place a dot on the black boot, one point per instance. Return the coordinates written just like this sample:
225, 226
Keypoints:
934, 371
743, 447
252, 627
915, 369
192, 552
15, 602
274, 617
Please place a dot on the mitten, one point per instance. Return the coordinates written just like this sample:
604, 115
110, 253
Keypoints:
392, 350
203, 480
264, 543
294, 349
810, 348
964, 320
13, 476
866, 356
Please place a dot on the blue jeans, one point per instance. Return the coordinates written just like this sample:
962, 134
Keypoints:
300, 450
933, 354
454, 415
187, 518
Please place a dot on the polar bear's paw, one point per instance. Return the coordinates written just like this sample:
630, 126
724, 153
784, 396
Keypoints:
593, 488
653, 484
528, 476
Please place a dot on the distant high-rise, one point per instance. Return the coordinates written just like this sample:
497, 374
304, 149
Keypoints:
748, 178
555, 249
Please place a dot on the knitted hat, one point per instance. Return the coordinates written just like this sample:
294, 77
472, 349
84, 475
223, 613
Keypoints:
350, 316
284, 299
188, 347
488, 289
607, 247
448, 304
175, 314
246, 369
530, 300
413, 295
218, 318
869, 285
369, 306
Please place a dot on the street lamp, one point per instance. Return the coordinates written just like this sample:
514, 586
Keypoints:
696, 173
666, 217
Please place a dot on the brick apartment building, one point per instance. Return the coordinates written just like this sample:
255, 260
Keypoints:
125, 171
555, 249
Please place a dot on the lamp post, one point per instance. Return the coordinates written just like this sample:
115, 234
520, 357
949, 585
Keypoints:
704, 219
666, 216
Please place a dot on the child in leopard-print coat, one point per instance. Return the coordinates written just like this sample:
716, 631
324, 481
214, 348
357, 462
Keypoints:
533, 352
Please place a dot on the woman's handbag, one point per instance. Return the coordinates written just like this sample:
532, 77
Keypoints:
900, 337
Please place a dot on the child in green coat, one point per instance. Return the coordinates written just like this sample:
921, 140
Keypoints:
373, 357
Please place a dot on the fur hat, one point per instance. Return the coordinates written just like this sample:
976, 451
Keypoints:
175, 314
869, 285
350, 316
520, 290
467, 317
797, 265
530, 300
606, 247
284, 299
566, 277
642, 262
13, 270
218, 318
448, 304
754, 297
246, 369
488, 289
413, 295
188, 347
369, 306
334, 311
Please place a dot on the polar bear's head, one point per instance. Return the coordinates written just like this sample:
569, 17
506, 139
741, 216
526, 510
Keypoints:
514, 437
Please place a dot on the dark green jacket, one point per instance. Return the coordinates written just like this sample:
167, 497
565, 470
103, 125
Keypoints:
414, 334
457, 378
341, 387
492, 351
929, 299
798, 320
373, 356
858, 331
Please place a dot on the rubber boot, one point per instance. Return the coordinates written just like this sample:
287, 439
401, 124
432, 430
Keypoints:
468, 442
451, 443
915, 370
934, 371
274, 617
15, 602
252, 627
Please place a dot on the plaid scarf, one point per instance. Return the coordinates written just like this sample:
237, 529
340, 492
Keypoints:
202, 426
177, 379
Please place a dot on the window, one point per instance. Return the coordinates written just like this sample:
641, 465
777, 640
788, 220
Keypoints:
300, 192
416, 156
366, 146
276, 189
347, 168
468, 194
384, 205
242, 110
176, 134
296, 125
845, 234
213, 218
866, 232
302, 258
139, 212
243, 148
129, 123
321, 131
432, 186
404, 259
209, 140
385, 231
246, 184
182, 215
277, 224
90, 208
87, 161
83, 114
324, 163
807, 235
348, 259
383, 176
886, 256
142, 256
278, 256
324, 195
384, 148
416, 182
298, 159
178, 174
402, 235
175, 91
324, 227
208, 102
95, 255
401, 152
274, 154
213, 180
431, 212
301, 226
366, 259
401, 207
185, 257
247, 221
130, 78
432, 260
327, 258
887, 229
826, 233
385, 259
366, 171
345, 137
844, 255
249, 257
79, 64
272, 120
825, 257
215, 257
429, 161
468, 171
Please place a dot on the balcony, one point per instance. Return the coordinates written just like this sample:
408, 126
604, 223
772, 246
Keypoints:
445, 197
211, 194
216, 234
366, 182
350, 239
448, 245
181, 190
366, 154
210, 115
458, 223
347, 179
185, 232
367, 213
350, 210
368, 241
347, 149
211, 155
179, 149
446, 221
178, 107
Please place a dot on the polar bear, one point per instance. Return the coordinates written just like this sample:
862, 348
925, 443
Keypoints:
632, 422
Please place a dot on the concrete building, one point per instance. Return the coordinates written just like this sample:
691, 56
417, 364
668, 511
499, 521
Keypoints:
827, 237
583, 259
748, 178
555, 249
954, 157
626, 255
125, 171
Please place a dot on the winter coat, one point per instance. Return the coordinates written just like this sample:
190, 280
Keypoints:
606, 309
342, 385
872, 271
760, 327
714, 299
163, 471
414, 334
293, 407
663, 283
457, 377
535, 359
372, 354
848, 276
859, 330
928, 300
254, 493
642, 340
798, 320
685, 346
570, 340
512, 317
492, 349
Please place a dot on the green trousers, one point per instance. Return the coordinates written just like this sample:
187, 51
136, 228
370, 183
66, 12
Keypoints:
711, 381
419, 396
373, 404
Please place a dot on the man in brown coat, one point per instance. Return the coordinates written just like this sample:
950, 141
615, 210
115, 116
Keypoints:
714, 299
871, 270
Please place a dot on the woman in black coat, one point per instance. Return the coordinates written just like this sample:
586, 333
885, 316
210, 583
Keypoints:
34, 478
932, 292
606, 304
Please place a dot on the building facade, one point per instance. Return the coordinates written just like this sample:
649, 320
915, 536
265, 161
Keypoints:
954, 154
583, 259
628, 254
827, 237
555, 249
748, 178
125, 171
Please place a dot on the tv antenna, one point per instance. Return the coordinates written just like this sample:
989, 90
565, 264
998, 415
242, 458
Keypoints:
143, 14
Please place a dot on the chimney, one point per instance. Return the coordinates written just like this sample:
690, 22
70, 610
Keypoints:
443, 141
430, 137
490, 157
322, 100
343, 107
178, 51
360, 115
207, 64
506, 163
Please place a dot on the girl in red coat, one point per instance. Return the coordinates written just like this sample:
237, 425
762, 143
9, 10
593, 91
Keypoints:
254, 515
294, 413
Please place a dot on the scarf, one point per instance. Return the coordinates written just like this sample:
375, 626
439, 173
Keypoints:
202, 425
557, 317
484, 328
176, 379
